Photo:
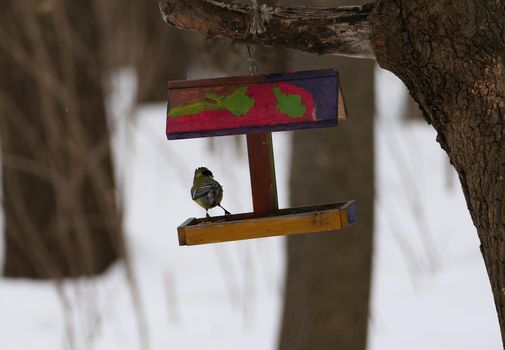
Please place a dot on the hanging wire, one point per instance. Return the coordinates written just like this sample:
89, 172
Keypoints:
253, 65
256, 26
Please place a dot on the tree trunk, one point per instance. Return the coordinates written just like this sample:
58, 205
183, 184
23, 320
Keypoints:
59, 201
328, 275
451, 56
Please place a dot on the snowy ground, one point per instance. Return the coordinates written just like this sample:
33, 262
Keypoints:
430, 289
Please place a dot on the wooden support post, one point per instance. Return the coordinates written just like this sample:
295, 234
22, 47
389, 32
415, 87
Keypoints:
262, 172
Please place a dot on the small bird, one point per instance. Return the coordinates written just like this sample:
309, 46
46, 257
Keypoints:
206, 191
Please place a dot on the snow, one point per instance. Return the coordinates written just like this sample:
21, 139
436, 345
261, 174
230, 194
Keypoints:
430, 289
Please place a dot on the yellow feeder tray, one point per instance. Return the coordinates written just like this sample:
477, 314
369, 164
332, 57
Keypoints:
290, 221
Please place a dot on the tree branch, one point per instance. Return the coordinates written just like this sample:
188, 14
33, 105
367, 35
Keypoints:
331, 30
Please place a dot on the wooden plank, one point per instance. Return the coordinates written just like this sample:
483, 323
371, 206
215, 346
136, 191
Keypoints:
342, 108
181, 230
244, 105
246, 79
311, 219
264, 227
262, 172
347, 206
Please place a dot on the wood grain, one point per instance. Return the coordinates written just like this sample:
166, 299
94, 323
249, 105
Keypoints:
336, 30
341, 106
181, 232
262, 172
312, 219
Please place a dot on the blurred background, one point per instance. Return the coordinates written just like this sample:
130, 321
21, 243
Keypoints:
92, 194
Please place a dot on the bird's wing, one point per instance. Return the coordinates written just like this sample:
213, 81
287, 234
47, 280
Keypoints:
204, 188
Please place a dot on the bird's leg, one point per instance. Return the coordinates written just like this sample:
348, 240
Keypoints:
207, 214
226, 212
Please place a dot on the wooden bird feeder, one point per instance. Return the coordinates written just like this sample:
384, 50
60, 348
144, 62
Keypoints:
257, 106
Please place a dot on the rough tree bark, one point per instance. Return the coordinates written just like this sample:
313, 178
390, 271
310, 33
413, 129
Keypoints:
303, 28
450, 55
59, 201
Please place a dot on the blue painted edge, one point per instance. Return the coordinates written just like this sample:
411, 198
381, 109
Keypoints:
251, 130
270, 77
351, 209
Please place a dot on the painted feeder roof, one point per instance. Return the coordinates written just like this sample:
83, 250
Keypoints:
252, 104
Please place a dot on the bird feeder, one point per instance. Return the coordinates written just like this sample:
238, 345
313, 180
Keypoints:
257, 106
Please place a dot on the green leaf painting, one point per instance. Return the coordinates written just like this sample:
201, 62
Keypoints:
192, 108
237, 103
289, 104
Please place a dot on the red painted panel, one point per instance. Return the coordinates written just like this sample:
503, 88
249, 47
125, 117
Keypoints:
263, 112
241, 105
